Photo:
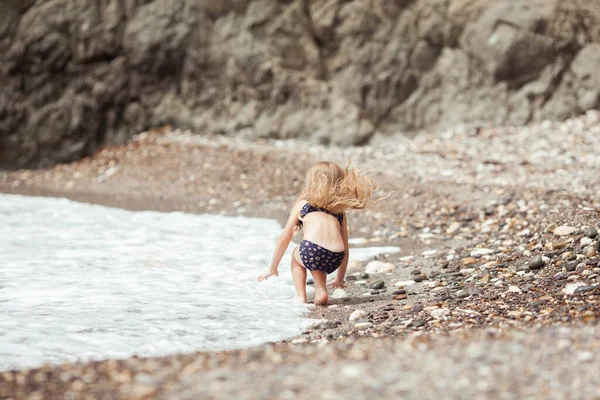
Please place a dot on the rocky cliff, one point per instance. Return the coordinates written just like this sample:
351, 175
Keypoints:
79, 74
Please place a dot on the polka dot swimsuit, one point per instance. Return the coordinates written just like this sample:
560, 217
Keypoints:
315, 257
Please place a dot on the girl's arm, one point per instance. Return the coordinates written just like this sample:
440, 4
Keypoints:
284, 241
341, 272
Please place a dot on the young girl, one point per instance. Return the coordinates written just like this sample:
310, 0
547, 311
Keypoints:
320, 213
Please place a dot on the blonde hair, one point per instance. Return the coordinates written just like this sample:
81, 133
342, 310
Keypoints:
334, 189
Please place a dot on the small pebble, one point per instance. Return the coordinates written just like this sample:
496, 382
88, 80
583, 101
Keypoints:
536, 263
514, 289
481, 252
416, 308
378, 267
590, 233
377, 285
440, 313
570, 289
357, 314
570, 267
565, 230
404, 283
339, 294
561, 244
584, 289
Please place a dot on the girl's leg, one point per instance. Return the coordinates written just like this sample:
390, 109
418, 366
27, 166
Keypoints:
299, 275
321, 295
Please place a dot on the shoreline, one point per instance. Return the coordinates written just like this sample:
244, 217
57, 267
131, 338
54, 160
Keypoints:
474, 270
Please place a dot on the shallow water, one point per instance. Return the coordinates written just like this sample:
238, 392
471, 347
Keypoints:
81, 281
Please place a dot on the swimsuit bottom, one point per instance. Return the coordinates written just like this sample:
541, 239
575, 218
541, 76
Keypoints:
317, 258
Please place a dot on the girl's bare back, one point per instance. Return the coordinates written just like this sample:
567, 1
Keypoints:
323, 229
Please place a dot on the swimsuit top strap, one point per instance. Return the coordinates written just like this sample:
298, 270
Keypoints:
308, 208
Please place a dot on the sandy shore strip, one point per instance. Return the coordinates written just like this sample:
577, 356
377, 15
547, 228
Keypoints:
500, 253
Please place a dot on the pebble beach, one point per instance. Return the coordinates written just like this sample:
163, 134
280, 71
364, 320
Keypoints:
494, 294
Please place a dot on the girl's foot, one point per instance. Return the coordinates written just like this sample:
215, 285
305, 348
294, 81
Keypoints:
321, 297
302, 298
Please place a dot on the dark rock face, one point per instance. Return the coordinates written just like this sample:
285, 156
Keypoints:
80, 74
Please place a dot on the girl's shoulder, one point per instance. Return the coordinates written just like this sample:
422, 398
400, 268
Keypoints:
301, 203
300, 206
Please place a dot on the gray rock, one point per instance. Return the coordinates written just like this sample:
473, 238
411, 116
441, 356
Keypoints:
96, 75
593, 261
473, 291
584, 289
399, 291
416, 308
536, 263
377, 285
523, 268
420, 278
418, 323
571, 266
364, 276
559, 276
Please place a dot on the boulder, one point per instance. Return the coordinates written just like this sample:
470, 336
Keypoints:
77, 75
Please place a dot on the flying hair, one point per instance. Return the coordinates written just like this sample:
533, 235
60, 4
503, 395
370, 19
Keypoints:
330, 187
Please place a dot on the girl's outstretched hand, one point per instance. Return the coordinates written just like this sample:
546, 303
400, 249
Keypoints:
266, 275
337, 284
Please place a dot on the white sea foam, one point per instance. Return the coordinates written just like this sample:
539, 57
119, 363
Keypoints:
80, 281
